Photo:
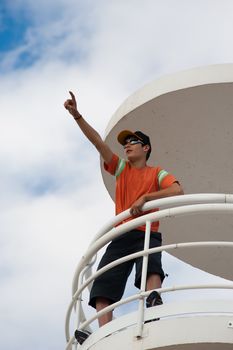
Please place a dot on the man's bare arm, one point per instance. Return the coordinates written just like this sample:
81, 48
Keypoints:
174, 190
87, 129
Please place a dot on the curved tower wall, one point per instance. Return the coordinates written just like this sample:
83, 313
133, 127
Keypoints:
189, 118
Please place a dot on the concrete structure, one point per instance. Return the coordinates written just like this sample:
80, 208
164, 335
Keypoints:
189, 117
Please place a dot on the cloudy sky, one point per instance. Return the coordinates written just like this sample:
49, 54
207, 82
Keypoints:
52, 198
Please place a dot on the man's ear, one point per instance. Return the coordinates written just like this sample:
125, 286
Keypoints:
146, 148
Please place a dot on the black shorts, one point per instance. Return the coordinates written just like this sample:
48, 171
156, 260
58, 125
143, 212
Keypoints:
111, 284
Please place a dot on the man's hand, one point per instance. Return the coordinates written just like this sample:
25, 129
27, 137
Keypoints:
71, 106
173, 190
136, 208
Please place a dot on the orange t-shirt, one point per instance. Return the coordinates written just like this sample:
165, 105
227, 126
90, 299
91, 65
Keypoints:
132, 183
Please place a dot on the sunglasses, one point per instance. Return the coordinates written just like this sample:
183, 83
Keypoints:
132, 142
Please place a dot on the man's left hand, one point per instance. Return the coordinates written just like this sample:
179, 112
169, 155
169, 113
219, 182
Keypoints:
136, 208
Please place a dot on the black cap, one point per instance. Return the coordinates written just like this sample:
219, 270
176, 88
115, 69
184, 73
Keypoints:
138, 134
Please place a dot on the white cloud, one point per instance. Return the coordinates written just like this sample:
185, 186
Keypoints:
42, 240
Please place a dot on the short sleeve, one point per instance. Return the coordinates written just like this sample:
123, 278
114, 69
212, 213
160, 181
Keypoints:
165, 179
115, 166
111, 167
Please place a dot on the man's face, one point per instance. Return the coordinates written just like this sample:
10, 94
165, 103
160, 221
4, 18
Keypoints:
134, 148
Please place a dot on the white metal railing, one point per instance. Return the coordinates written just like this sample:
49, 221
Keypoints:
182, 205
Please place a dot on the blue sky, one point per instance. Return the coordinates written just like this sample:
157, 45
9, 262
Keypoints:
50, 180
14, 25
12, 29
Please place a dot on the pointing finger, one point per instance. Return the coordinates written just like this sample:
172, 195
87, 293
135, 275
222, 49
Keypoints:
72, 96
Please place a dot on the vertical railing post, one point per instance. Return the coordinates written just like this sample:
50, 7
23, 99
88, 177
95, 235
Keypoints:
78, 305
143, 281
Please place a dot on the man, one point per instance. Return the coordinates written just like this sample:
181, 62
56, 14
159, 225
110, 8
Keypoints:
136, 183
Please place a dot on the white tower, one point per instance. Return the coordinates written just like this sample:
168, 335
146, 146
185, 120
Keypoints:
189, 118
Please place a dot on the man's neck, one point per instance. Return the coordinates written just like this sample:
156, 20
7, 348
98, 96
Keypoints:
139, 164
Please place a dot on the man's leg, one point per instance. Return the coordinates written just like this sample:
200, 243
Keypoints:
101, 303
109, 287
153, 282
154, 298
155, 274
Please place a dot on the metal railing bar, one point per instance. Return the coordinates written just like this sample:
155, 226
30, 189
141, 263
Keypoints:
143, 279
136, 255
159, 290
147, 252
70, 343
162, 203
224, 204
155, 216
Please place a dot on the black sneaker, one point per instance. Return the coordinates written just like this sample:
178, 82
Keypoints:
153, 299
81, 335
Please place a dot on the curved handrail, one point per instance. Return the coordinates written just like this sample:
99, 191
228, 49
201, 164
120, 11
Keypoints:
159, 290
146, 252
161, 204
104, 237
155, 216
144, 294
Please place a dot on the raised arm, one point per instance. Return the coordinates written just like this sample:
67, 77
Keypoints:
89, 132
